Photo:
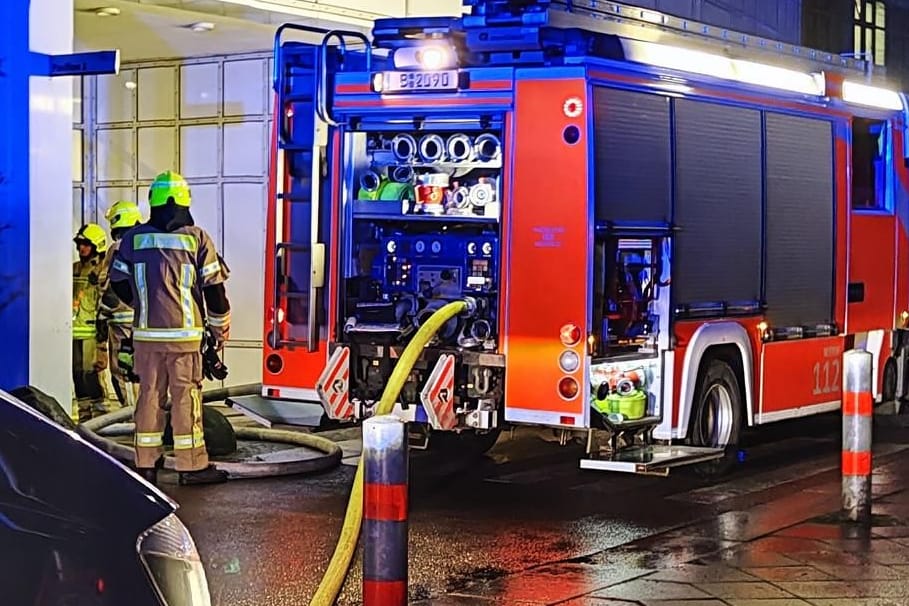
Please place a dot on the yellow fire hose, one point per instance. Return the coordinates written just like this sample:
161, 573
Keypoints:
337, 569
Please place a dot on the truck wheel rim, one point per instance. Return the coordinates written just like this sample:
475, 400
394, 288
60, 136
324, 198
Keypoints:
718, 415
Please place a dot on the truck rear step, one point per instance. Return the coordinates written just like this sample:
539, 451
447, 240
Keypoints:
651, 459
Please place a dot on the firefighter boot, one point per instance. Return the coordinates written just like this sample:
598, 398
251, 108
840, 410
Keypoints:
209, 475
150, 474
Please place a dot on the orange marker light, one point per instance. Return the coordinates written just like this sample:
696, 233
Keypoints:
570, 335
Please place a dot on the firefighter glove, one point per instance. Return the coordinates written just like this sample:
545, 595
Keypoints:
126, 360
102, 330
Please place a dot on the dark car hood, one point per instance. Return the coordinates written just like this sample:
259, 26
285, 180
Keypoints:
54, 483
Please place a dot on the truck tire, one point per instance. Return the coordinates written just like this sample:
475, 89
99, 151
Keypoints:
888, 391
466, 444
716, 417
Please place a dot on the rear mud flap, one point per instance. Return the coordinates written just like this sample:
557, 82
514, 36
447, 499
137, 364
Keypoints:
334, 384
437, 395
654, 459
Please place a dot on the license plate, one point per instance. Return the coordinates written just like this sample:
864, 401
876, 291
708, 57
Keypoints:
415, 81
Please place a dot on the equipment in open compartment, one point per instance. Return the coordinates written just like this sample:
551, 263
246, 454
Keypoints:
440, 173
629, 271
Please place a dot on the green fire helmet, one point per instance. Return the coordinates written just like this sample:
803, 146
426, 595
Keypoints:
123, 214
169, 186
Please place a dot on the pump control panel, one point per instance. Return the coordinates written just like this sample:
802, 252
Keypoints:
437, 265
405, 271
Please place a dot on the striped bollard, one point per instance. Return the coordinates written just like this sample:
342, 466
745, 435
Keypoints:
385, 469
858, 408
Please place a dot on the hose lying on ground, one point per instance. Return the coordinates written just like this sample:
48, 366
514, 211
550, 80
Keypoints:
331, 583
235, 470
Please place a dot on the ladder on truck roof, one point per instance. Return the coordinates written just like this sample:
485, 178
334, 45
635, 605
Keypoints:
636, 23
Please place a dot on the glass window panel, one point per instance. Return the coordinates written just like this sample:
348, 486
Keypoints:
869, 13
857, 34
880, 46
880, 14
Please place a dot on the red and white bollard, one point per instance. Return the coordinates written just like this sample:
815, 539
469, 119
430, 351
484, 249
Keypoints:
858, 408
385, 468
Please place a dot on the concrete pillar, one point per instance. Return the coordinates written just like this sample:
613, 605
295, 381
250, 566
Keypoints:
35, 200
51, 246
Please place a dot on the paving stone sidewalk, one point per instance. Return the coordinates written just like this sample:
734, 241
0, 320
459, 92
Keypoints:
775, 554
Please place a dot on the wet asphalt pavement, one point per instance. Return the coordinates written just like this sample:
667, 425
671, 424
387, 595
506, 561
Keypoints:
525, 506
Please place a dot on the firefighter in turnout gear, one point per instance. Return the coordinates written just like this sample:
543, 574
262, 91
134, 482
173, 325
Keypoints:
89, 352
114, 313
169, 271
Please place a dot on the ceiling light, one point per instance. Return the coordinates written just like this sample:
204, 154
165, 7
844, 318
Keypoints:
107, 11
202, 26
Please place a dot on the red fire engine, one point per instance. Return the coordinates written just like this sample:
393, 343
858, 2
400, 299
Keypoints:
663, 232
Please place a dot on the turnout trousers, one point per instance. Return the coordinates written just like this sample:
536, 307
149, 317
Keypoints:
181, 374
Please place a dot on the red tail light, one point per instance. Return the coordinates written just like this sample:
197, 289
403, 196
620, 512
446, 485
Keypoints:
568, 388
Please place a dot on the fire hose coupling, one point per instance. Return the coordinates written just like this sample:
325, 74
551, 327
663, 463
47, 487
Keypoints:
487, 147
470, 307
404, 147
460, 148
370, 181
460, 197
432, 148
480, 330
402, 174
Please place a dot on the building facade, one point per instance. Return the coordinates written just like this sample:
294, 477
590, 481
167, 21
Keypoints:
878, 30
774, 19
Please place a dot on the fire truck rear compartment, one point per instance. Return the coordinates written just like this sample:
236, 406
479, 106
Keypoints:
424, 204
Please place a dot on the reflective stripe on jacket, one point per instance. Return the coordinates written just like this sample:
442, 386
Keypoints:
86, 297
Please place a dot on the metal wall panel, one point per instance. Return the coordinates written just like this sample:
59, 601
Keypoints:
718, 203
208, 119
244, 229
633, 156
800, 220
199, 86
156, 88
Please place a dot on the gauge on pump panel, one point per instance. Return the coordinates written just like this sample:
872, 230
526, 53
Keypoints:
391, 247
419, 246
436, 247
472, 248
487, 248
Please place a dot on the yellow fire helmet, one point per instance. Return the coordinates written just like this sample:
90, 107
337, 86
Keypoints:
169, 185
94, 234
123, 214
